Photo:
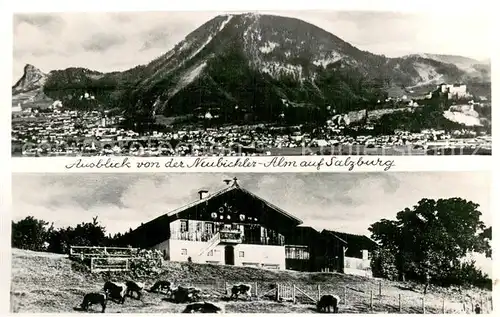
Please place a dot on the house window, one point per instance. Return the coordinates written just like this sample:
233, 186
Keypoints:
298, 252
184, 226
210, 253
184, 251
242, 254
209, 227
199, 226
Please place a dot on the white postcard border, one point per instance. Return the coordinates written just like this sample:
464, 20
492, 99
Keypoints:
441, 163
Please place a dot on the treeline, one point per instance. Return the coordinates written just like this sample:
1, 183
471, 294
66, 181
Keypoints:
38, 235
426, 243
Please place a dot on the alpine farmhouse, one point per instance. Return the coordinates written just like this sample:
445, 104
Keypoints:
235, 227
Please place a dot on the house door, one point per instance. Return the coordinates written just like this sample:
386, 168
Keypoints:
229, 255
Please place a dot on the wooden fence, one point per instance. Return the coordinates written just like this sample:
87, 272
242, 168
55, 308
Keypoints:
101, 259
353, 299
87, 252
114, 264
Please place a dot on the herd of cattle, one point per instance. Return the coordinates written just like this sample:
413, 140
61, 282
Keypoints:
117, 292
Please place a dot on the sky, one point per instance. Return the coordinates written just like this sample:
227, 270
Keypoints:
347, 202
119, 41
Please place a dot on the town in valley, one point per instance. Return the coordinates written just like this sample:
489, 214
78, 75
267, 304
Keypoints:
58, 131
255, 84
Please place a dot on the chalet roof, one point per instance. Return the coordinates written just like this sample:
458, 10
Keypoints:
230, 188
353, 239
307, 235
332, 233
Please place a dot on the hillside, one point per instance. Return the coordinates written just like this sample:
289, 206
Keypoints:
479, 71
49, 283
251, 67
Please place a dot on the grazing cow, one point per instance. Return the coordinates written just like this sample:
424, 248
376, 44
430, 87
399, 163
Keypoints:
186, 294
193, 294
328, 301
160, 286
134, 287
241, 289
116, 291
207, 308
94, 298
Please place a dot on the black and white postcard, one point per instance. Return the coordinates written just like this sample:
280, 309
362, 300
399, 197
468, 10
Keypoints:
252, 243
201, 157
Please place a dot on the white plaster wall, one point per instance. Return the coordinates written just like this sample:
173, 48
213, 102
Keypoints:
366, 273
260, 255
193, 248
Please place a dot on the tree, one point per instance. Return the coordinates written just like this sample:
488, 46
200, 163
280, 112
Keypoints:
30, 234
84, 234
383, 264
431, 238
468, 274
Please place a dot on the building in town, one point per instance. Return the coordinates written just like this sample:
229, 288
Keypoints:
17, 108
235, 227
454, 91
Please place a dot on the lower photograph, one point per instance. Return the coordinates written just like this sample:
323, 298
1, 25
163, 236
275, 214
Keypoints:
252, 243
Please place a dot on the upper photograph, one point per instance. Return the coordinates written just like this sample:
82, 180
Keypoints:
250, 83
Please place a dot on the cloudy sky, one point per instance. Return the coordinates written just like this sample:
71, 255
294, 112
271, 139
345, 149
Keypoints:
118, 41
344, 202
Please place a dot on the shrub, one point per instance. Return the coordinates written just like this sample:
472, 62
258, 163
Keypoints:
30, 234
383, 264
146, 263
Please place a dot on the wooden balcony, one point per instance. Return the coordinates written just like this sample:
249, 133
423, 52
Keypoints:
230, 237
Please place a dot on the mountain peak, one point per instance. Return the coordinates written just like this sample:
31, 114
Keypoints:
33, 78
249, 66
31, 68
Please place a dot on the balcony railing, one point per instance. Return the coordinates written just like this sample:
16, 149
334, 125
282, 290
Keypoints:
230, 236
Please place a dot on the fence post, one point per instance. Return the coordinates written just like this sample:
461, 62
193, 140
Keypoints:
371, 300
442, 308
225, 287
277, 292
293, 293
423, 304
400, 307
481, 302
345, 295
91, 264
256, 292
319, 292
380, 288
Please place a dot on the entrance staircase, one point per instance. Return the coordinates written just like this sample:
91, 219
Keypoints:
211, 244
227, 237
